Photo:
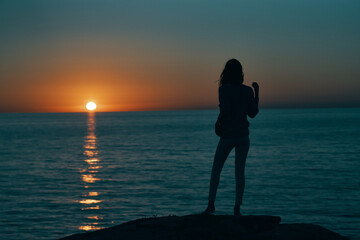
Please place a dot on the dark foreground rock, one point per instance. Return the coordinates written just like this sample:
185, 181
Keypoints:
210, 228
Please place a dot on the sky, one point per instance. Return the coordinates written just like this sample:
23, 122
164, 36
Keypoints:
55, 56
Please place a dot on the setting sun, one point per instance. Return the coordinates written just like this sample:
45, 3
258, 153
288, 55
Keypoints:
90, 106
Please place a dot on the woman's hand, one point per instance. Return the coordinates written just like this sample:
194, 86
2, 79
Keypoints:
256, 88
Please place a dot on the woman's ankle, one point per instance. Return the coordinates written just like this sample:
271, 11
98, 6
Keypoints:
237, 209
211, 205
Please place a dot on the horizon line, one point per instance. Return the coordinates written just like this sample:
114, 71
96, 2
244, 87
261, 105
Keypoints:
182, 109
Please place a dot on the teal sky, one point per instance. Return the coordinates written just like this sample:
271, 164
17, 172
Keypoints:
302, 53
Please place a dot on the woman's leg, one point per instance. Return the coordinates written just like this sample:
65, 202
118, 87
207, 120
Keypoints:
241, 151
222, 152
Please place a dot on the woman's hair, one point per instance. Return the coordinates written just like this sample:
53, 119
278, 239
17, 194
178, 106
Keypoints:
232, 73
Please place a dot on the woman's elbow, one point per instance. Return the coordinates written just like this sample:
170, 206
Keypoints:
252, 114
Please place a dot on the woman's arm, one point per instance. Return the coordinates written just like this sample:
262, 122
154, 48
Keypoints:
254, 101
255, 85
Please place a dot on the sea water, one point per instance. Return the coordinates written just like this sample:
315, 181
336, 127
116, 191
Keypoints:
65, 173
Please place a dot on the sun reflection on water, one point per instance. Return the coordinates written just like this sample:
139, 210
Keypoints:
89, 227
92, 194
88, 174
95, 217
90, 201
91, 208
91, 160
89, 178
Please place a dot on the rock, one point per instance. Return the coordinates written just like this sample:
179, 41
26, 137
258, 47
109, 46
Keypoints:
210, 228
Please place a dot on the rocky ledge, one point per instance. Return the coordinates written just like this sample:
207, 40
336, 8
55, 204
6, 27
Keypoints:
210, 228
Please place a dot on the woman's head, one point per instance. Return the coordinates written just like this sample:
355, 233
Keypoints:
232, 73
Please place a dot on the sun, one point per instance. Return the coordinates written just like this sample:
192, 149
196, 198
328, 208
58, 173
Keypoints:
91, 106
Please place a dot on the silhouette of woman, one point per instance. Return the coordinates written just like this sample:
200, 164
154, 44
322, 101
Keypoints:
237, 101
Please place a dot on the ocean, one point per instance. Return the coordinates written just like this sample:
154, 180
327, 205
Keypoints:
66, 173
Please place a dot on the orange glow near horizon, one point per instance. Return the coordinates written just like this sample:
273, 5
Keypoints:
68, 87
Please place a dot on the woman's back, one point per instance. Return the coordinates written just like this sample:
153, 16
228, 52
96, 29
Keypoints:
236, 103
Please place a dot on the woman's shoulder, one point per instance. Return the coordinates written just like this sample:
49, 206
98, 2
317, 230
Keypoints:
246, 89
232, 87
